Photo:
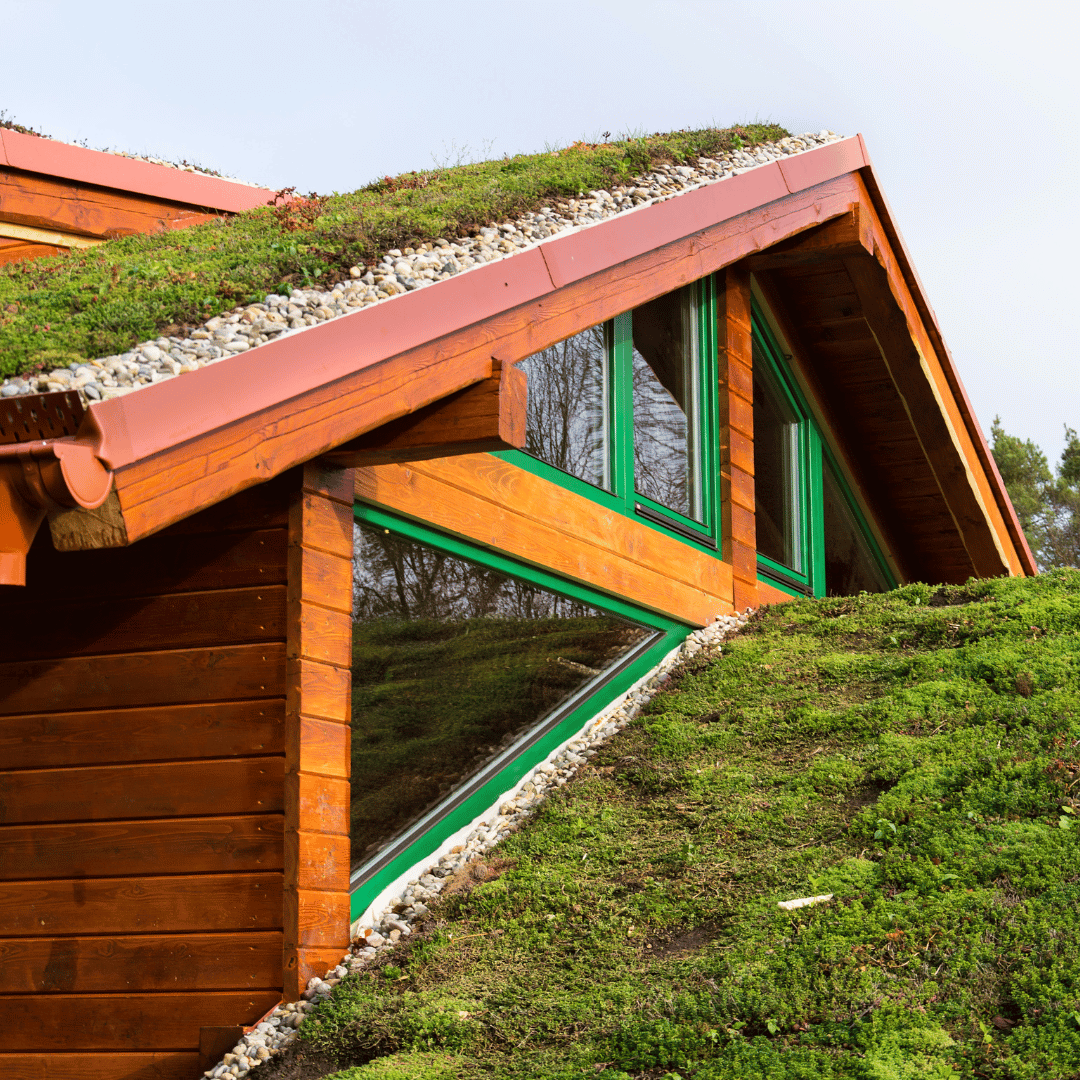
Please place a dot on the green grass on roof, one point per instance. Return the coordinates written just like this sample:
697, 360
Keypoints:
915, 753
100, 301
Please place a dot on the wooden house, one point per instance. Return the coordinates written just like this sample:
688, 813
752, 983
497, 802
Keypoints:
188, 562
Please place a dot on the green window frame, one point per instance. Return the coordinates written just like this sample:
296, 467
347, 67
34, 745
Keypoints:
560, 727
621, 495
814, 455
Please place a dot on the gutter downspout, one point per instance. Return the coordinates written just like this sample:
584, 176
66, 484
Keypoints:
38, 476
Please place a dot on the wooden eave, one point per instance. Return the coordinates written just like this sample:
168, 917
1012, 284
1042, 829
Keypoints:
186, 443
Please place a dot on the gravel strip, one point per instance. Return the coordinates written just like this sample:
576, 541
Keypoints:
396, 921
397, 272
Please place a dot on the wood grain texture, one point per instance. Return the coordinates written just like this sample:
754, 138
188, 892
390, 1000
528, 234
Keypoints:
158, 1022
504, 507
99, 849
165, 789
79, 1065
318, 689
318, 918
320, 746
318, 577
130, 905
317, 803
143, 962
325, 524
145, 678
769, 594
156, 733
218, 617
320, 634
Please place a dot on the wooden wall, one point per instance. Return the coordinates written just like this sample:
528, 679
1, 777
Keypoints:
151, 756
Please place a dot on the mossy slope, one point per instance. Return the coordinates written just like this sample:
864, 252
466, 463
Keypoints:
97, 302
915, 753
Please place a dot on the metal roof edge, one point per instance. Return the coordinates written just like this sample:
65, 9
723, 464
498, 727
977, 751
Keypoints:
35, 154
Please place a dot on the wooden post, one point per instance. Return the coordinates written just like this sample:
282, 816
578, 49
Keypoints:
736, 374
318, 698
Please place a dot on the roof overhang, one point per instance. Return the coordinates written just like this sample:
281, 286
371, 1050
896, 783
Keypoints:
186, 443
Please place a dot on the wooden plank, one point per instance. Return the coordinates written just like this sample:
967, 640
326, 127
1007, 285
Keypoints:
50, 202
188, 476
321, 918
157, 733
742, 489
178, 620
313, 960
317, 804
121, 848
143, 962
265, 506
326, 525
159, 1022
324, 579
168, 789
322, 861
321, 476
505, 507
156, 566
321, 634
740, 451
177, 903
147, 678
743, 528
320, 746
80, 1065
848, 235
769, 594
746, 595
318, 689
485, 417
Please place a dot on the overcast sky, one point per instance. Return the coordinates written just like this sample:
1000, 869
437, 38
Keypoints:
969, 112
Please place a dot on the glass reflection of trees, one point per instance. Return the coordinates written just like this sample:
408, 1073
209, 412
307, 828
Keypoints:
567, 411
452, 663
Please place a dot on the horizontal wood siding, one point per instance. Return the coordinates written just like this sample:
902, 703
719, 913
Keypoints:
143, 795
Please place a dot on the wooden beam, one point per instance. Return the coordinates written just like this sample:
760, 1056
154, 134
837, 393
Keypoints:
487, 416
843, 237
10, 231
318, 676
914, 382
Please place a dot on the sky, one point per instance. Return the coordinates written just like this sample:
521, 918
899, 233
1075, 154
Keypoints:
970, 113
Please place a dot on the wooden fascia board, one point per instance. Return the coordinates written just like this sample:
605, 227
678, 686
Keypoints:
45, 156
959, 393
188, 442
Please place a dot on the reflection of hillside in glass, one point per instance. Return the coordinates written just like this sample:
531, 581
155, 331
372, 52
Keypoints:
453, 663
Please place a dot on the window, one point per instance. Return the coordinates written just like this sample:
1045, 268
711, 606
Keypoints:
627, 409
532, 658
811, 538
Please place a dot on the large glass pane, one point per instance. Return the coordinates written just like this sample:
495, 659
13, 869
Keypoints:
567, 416
455, 666
850, 566
666, 403
776, 471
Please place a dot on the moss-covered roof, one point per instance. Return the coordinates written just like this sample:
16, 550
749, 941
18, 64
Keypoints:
98, 302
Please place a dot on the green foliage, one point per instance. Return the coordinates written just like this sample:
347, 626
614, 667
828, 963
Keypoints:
100, 301
915, 753
1047, 503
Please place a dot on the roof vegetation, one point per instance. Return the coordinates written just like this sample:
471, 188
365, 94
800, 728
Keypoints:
100, 301
914, 753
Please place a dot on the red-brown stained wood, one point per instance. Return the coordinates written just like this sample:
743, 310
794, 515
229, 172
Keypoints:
316, 845
77, 1065
219, 617
318, 917
159, 1022
326, 579
144, 962
156, 733
129, 905
318, 689
168, 789
99, 849
145, 678
326, 525
320, 634
157, 565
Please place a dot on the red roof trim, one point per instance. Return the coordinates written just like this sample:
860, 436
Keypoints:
37, 155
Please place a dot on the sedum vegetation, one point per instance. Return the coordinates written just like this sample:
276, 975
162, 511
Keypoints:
915, 753
100, 301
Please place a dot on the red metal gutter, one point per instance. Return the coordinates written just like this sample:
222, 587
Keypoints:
948, 365
37, 155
